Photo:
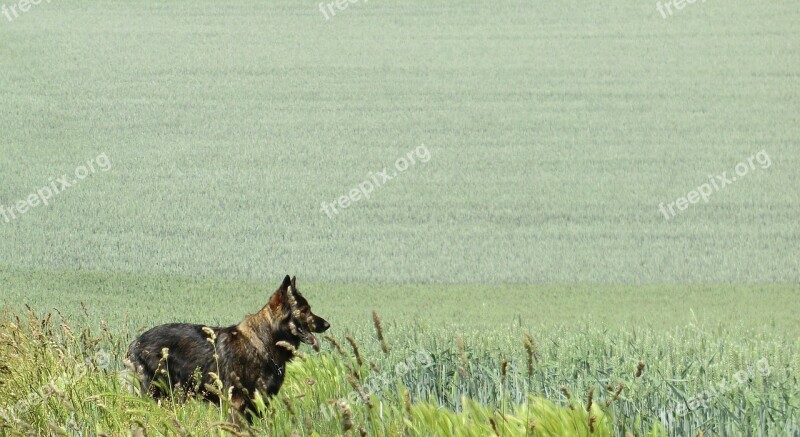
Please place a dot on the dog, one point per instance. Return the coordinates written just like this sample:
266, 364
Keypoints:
192, 360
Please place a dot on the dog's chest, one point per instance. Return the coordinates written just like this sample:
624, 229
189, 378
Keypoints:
272, 376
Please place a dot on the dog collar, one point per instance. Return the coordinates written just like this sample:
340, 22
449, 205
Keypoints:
279, 368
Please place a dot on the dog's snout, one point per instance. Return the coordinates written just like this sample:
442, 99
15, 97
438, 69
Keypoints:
323, 325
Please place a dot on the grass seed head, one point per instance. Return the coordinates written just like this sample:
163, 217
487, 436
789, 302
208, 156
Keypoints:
347, 415
288, 403
212, 336
379, 329
352, 371
293, 350
356, 352
531, 350
215, 379
616, 394
357, 387
494, 426
335, 344
462, 356
639, 369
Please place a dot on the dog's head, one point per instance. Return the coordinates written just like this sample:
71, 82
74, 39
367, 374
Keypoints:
294, 314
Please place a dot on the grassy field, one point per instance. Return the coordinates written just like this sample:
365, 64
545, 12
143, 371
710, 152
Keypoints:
129, 303
718, 359
555, 131
199, 142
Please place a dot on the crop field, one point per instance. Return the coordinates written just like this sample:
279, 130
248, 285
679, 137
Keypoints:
519, 218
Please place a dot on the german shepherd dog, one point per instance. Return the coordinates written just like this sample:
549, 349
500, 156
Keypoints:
251, 357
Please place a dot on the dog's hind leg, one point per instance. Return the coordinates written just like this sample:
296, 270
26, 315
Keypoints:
141, 372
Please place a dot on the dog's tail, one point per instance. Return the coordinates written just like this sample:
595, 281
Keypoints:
140, 375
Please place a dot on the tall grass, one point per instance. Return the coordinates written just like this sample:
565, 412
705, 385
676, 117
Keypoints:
55, 384
426, 384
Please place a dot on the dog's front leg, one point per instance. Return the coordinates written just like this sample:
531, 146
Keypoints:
238, 411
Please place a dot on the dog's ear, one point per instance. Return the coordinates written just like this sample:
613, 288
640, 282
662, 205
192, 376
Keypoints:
293, 281
286, 283
281, 295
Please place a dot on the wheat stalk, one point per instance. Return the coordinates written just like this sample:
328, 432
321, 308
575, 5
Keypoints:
354, 345
379, 329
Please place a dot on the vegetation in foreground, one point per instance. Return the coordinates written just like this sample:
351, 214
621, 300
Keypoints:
416, 381
696, 343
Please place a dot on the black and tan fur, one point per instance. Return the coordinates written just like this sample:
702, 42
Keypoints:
249, 358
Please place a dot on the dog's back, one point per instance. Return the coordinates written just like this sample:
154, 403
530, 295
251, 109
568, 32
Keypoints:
189, 354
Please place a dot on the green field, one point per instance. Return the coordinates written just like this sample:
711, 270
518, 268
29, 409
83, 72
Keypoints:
692, 340
554, 130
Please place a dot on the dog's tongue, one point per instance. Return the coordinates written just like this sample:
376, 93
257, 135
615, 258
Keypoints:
314, 343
